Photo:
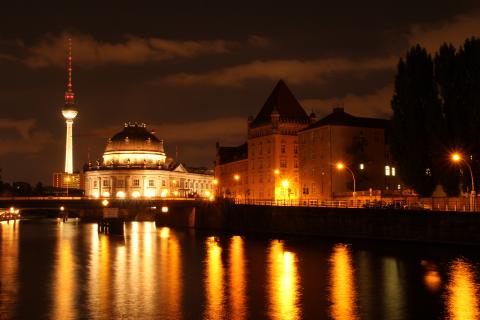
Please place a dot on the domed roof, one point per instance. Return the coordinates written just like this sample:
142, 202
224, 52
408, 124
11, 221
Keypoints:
135, 137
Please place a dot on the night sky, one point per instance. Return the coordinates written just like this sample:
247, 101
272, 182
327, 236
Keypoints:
196, 71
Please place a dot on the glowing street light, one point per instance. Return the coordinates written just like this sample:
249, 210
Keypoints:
236, 177
340, 166
457, 157
276, 172
105, 202
67, 182
285, 184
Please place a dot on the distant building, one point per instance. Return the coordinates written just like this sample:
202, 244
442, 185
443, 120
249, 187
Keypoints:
357, 142
135, 165
267, 165
231, 171
67, 180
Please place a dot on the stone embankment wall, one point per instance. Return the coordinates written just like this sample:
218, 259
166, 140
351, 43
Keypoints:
403, 225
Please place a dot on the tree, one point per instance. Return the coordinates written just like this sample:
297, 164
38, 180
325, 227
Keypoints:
457, 74
416, 122
445, 64
39, 190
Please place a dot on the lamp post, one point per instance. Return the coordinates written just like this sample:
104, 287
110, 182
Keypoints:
285, 184
215, 187
457, 157
236, 177
67, 180
340, 166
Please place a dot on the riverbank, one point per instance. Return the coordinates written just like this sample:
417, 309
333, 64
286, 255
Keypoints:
372, 224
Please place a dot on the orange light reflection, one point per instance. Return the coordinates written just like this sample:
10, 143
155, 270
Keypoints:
343, 293
283, 283
237, 278
9, 266
64, 281
462, 292
214, 280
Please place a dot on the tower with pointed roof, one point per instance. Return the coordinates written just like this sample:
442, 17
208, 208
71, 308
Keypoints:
273, 146
267, 166
69, 112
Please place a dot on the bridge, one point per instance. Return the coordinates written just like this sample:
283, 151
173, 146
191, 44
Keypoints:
87, 209
9, 214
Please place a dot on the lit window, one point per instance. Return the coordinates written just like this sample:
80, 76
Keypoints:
393, 171
399, 187
283, 163
387, 170
362, 166
136, 182
151, 183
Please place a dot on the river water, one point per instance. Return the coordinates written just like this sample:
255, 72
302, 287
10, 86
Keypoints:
55, 270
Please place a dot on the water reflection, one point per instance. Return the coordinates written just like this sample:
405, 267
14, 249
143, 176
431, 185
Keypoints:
431, 278
393, 289
166, 274
283, 284
170, 279
237, 278
148, 277
462, 292
9, 267
343, 293
65, 278
214, 280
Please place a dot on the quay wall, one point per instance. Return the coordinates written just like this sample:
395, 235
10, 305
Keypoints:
375, 224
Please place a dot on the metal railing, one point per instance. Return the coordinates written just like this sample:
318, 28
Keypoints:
432, 204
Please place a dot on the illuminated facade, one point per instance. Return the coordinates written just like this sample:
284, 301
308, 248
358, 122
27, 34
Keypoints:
135, 165
357, 142
65, 180
267, 166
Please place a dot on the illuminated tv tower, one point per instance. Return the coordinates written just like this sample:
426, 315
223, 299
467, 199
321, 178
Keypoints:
69, 112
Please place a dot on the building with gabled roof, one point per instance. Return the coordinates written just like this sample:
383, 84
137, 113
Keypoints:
357, 142
266, 166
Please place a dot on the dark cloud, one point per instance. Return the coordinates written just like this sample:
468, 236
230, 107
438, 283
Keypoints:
195, 71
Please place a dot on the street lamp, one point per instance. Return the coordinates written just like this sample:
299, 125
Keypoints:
457, 157
340, 166
215, 187
285, 184
67, 180
236, 177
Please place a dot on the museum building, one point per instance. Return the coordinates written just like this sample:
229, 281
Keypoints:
135, 165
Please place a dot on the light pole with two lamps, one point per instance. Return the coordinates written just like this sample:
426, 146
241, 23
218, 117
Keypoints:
458, 158
340, 166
